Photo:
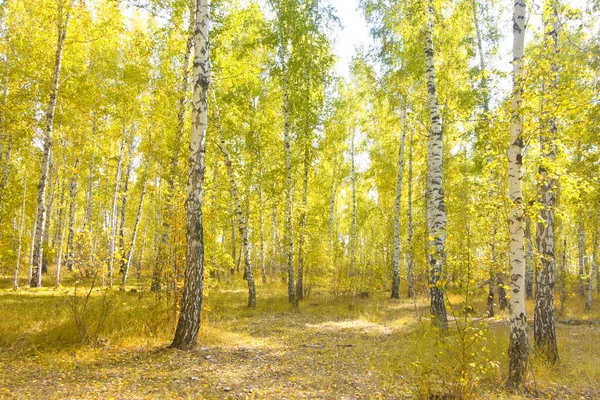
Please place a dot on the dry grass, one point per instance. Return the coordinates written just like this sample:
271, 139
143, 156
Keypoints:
328, 348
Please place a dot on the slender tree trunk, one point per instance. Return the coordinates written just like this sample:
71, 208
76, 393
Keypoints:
398, 212
289, 183
275, 245
544, 326
60, 256
336, 167
31, 249
233, 244
63, 22
124, 204
191, 302
49, 208
261, 216
21, 228
302, 234
581, 257
113, 212
89, 207
138, 271
135, 229
528, 259
354, 206
519, 346
71, 237
243, 228
436, 207
594, 269
409, 245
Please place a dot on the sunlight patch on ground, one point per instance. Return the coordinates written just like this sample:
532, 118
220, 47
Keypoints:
356, 324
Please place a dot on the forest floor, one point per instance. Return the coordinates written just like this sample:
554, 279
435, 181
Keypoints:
52, 347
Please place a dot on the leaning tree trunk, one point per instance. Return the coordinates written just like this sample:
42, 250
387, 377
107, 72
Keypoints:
243, 228
594, 269
544, 326
135, 229
71, 235
519, 346
191, 302
409, 245
397, 213
436, 207
21, 228
36, 277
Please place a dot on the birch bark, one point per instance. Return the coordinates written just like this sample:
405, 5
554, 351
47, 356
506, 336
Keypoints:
191, 302
397, 212
436, 207
64, 16
519, 346
544, 326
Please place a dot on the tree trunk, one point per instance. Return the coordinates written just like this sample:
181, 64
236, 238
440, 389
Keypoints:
528, 259
243, 228
21, 228
436, 207
352, 271
191, 302
289, 183
519, 346
409, 245
336, 167
301, 240
261, 216
31, 249
544, 327
50, 202
135, 229
36, 277
71, 237
113, 212
124, 204
594, 269
397, 212
60, 255
89, 207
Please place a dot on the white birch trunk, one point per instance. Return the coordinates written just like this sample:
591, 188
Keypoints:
436, 207
135, 229
519, 346
243, 228
21, 228
63, 22
544, 326
398, 211
71, 236
113, 212
409, 250
594, 269
191, 302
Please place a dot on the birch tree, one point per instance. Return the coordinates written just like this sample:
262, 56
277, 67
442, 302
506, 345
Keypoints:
64, 15
519, 346
397, 211
191, 302
436, 207
544, 327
